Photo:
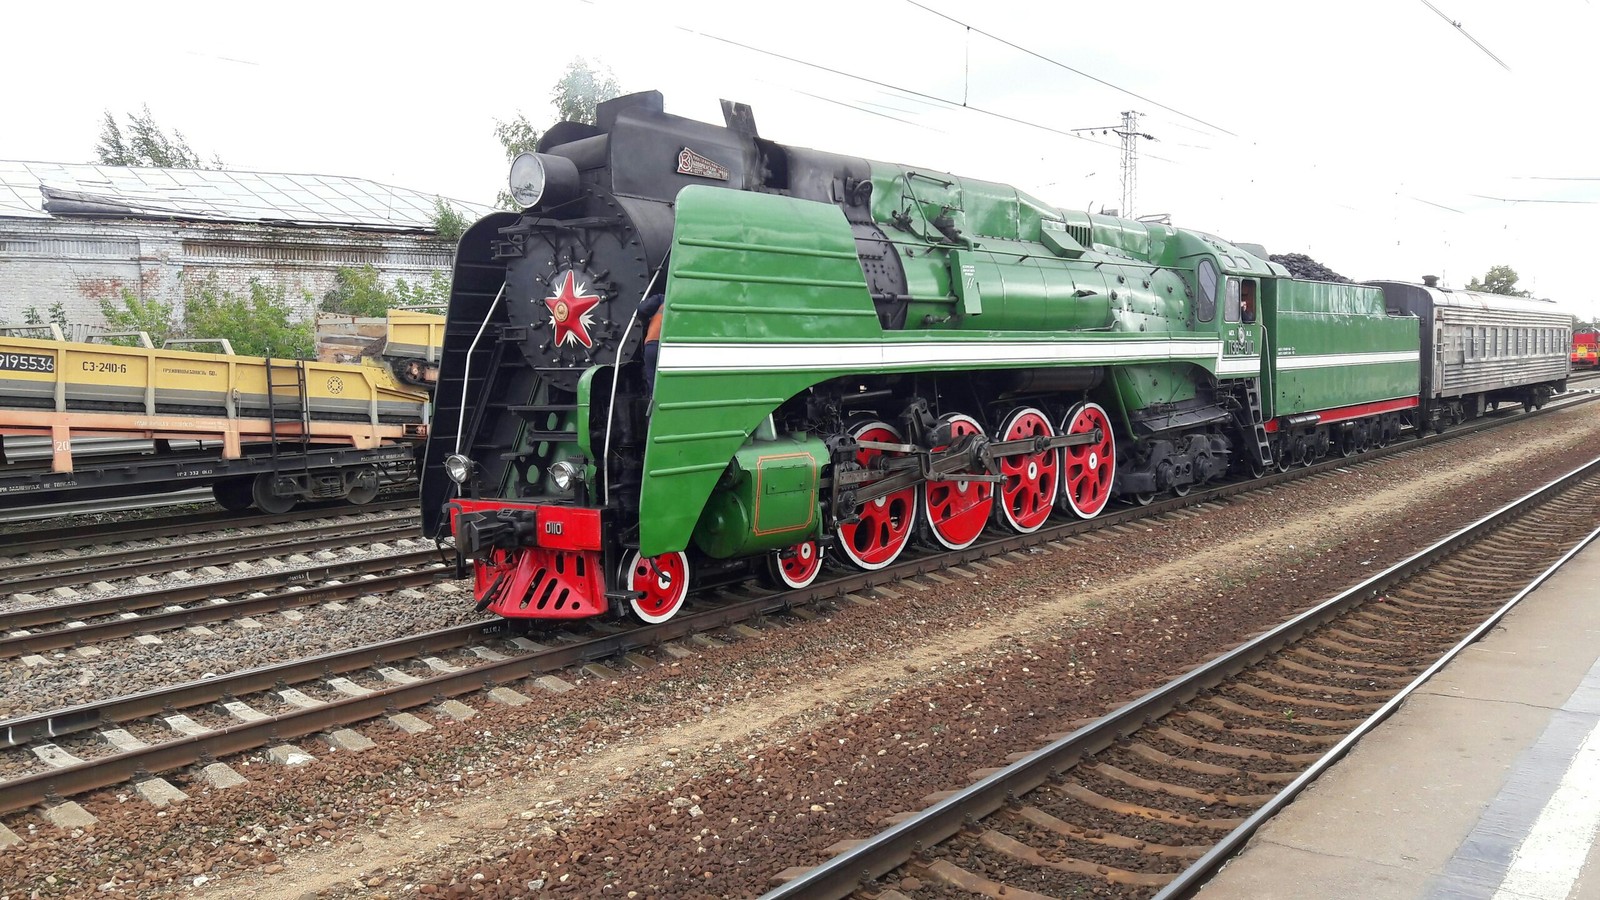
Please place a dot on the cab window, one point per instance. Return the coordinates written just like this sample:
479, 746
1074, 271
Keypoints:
1247, 301
1205, 303
1230, 312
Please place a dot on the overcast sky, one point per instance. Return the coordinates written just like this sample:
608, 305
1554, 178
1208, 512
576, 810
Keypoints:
1371, 134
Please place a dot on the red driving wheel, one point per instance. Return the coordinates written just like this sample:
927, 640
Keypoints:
1088, 469
956, 511
1032, 480
883, 526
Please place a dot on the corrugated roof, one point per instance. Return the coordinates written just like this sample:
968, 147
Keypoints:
45, 190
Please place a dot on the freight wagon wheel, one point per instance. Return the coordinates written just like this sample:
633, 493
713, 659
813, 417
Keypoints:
1032, 480
796, 567
266, 499
1087, 469
233, 494
363, 487
664, 582
956, 511
883, 526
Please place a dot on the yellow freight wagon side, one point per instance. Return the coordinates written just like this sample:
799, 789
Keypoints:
412, 345
66, 389
415, 335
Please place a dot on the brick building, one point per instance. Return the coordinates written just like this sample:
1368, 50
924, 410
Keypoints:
79, 233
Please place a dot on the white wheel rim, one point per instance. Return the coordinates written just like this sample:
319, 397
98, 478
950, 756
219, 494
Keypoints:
634, 561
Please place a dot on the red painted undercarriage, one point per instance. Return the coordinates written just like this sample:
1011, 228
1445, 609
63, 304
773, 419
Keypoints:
560, 577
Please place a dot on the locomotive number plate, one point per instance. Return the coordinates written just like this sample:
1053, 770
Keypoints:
27, 362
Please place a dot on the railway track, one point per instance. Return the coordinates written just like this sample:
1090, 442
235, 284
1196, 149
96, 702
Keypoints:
24, 542
30, 576
1148, 800
370, 688
42, 628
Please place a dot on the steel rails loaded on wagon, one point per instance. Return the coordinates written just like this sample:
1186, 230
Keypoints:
260, 432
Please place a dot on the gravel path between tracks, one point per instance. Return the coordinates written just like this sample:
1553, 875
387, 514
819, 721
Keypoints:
704, 776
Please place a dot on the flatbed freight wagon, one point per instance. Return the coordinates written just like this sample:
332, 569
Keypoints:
262, 432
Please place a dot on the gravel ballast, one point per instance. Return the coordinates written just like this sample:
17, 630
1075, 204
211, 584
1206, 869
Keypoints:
706, 775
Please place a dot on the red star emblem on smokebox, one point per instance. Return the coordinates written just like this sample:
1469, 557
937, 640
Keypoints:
568, 309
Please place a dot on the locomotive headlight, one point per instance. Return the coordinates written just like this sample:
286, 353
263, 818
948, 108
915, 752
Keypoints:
527, 180
458, 468
541, 177
564, 474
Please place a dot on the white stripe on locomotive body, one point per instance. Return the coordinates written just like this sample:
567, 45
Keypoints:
703, 358
1330, 360
690, 357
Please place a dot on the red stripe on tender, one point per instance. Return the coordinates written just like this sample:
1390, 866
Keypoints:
1359, 411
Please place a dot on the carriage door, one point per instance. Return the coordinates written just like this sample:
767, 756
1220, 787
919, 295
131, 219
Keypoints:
1438, 356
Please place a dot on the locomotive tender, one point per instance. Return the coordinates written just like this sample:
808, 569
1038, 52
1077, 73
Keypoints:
852, 355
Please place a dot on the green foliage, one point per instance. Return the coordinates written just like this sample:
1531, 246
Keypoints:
447, 221
56, 314
357, 292
581, 89
146, 144
360, 292
576, 96
436, 293
516, 136
260, 324
130, 312
1498, 280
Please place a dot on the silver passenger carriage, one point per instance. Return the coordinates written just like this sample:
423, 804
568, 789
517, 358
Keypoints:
1481, 350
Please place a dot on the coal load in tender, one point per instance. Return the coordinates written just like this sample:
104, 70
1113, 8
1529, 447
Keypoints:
1304, 267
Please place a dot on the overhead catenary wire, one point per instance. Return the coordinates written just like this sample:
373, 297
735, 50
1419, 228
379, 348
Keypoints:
910, 92
1457, 26
1059, 64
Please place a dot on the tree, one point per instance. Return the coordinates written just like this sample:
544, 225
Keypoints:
260, 324
448, 221
360, 292
146, 144
1498, 280
576, 96
130, 312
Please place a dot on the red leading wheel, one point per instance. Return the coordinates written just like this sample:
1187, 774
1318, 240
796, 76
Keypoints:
883, 526
797, 566
1032, 480
956, 511
1087, 469
663, 581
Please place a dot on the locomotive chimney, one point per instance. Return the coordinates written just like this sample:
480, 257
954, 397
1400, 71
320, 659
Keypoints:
1430, 280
